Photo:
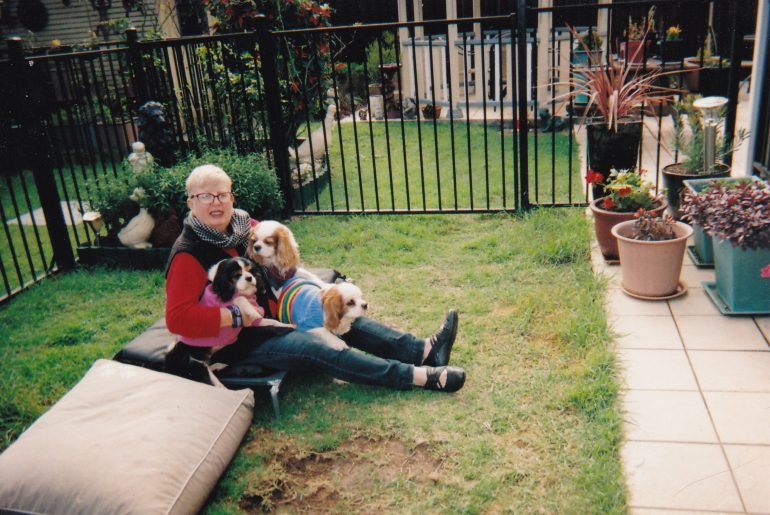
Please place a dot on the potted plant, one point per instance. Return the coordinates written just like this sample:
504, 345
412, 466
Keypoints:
612, 116
627, 192
651, 251
431, 112
671, 45
636, 46
116, 124
701, 251
688, 141
736, 213
708, 72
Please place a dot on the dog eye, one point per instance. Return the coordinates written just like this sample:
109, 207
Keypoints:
351, 302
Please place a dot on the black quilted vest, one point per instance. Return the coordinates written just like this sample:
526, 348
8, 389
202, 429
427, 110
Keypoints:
208, 255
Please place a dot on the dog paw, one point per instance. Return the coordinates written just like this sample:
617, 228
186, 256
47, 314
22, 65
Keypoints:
339, 346
247, 308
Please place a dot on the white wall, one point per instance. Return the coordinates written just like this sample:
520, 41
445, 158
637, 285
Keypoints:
762, 34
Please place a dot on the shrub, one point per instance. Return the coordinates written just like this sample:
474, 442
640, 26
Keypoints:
255, 184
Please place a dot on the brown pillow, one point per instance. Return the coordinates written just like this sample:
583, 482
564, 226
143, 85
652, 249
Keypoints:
125, 439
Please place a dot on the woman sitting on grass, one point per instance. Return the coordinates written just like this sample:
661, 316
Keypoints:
213, 231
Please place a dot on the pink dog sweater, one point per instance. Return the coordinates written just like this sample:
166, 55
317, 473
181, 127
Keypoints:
227, 335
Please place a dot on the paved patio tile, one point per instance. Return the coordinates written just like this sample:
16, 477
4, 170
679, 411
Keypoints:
720, 333
694, 276
740, 418
646, 332
732, 371
751, 466
664, 511
696, 302
764, 326
679, 476
656, 370
667, 416
618, 303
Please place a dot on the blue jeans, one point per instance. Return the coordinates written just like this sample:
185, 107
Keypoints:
389, 358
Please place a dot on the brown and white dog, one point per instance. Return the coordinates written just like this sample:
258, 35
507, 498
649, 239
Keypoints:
304, 299
328, 311
273, 246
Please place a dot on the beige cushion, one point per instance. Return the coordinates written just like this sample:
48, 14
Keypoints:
126, 440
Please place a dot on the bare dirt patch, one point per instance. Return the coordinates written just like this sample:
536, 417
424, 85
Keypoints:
315, 482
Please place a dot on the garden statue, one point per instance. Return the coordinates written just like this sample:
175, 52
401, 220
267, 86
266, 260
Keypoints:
140, 159
136, 233
409, 108
317, 141
157, 133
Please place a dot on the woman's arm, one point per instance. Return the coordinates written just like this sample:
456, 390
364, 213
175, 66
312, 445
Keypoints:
185, 282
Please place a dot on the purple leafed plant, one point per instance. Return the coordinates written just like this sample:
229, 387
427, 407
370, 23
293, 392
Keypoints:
737, 212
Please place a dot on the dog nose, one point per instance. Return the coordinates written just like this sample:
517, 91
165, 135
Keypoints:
249, 278
365, 305
257, 248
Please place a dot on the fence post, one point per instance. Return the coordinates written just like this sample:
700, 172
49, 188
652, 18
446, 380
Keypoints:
137, 68
733, 83
28, 112
523, 128
268, 62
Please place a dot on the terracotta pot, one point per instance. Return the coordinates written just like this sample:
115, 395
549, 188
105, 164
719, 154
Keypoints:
632, 50
651, 269
605, 220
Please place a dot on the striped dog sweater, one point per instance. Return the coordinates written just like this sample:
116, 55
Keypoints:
299, 303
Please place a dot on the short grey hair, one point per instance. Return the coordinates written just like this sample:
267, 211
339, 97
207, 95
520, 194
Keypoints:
202, 173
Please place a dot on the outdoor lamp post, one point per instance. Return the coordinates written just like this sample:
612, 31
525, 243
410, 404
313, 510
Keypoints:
711, 107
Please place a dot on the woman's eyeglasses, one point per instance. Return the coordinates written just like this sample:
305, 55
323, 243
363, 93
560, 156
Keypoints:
208, 198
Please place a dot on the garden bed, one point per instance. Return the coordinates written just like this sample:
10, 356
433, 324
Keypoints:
124, 257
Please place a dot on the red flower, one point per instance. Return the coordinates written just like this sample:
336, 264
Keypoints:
625, 190
608, 203
765, 272
341, 66
594, 177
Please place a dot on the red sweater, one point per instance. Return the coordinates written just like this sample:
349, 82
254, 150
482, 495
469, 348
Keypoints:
185, 282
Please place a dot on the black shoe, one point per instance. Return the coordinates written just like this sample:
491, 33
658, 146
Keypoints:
455, 379
442, 341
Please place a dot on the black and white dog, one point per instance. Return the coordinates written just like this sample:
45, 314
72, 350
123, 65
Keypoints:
233, 281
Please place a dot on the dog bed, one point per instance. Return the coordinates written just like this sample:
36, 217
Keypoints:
125, 440
149, 350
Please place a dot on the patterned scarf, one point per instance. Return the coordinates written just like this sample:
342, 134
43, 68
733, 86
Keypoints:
238, 231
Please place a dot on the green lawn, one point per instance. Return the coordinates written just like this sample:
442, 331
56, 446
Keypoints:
416, 169
25, 250
536, 428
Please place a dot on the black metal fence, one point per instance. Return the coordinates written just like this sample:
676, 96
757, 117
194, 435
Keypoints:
435, 116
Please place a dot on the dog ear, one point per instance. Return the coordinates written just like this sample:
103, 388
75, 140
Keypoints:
213, 270
221, 284
250, 244
287, 252
333, 306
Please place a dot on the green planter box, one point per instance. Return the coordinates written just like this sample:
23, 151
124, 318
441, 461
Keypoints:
124, 257
702, 250
738, 289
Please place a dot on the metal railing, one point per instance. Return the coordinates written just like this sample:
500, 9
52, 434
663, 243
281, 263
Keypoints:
348, 116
